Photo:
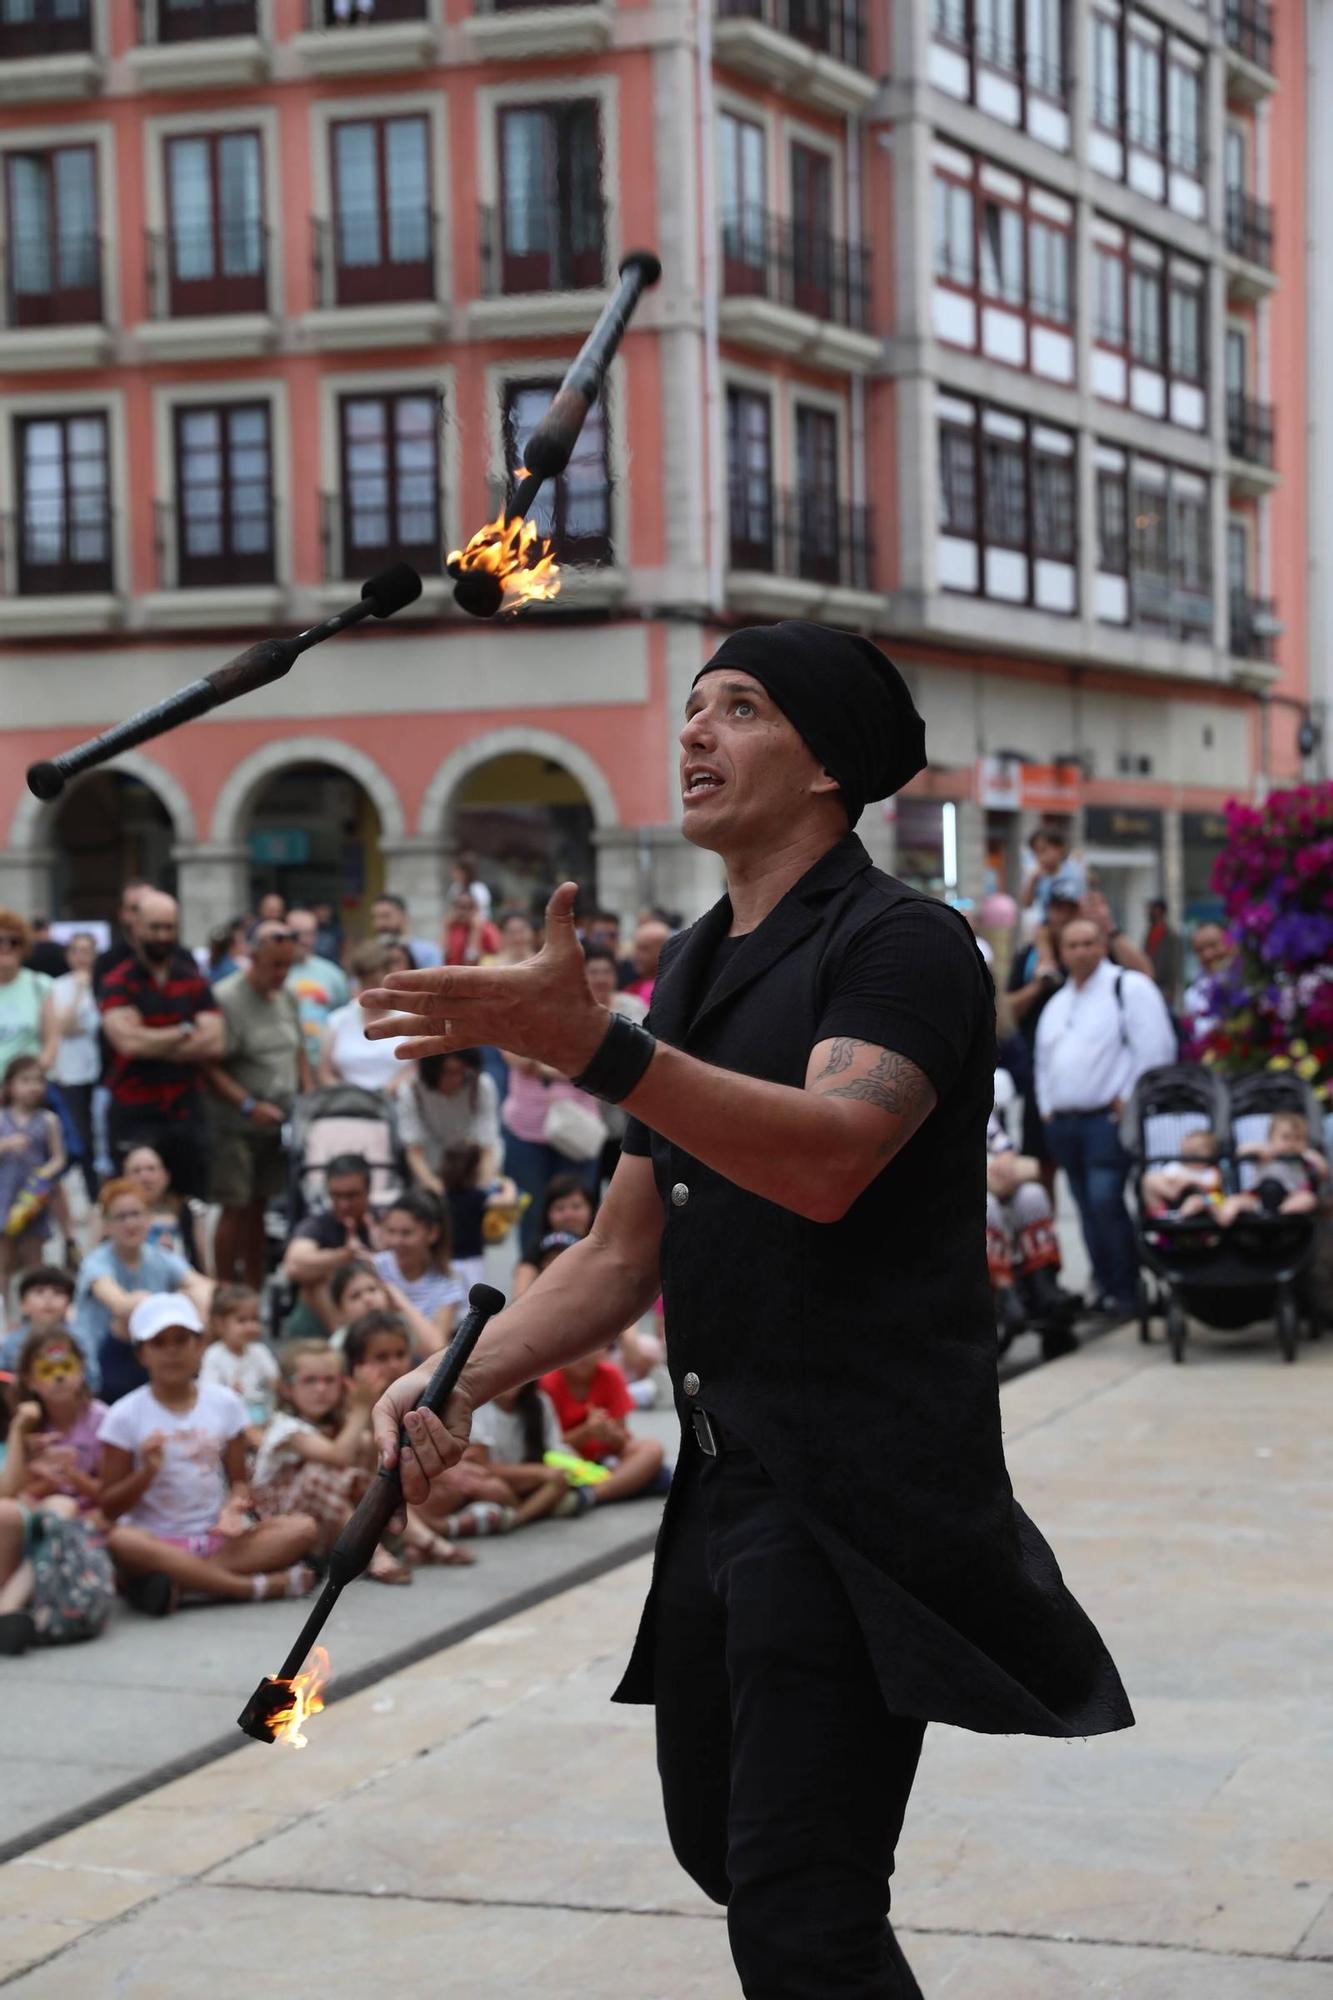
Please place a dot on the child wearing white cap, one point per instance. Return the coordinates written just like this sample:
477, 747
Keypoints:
173, 1480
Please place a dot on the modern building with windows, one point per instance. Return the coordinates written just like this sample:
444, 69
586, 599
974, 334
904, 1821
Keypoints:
982, 330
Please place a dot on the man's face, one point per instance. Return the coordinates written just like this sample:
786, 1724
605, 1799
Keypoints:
647, 950
746, 777
157, 928
1212, 947
272, 953
301, 924
272, 909
604, 931
387, 920
1082, 947
349, 1198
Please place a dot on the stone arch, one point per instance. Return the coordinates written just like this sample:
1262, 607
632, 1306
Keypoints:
479, 750
32, 825
252, 773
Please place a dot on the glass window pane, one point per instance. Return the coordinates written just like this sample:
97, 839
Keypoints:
240, 204
190, 205
407, 169
357, 192
529, 219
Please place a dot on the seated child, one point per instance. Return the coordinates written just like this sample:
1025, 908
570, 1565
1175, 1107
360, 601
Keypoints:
1190, 1185
46, 1299
377, 1352
312, 1453
1292, 1172
238, 1357
1022, 1247
593, 1402
358, 1288
510, 1439
53, 1441
173, 1478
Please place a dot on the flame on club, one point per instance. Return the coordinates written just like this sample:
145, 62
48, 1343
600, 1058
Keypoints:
516, 554
307, 1700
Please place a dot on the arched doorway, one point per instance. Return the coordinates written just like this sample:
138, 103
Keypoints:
109, 828
529, 822
313, 834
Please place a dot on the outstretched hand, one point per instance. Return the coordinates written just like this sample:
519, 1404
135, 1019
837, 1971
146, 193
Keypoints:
542, 1008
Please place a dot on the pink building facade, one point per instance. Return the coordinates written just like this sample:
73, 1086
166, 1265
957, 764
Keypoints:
976, 333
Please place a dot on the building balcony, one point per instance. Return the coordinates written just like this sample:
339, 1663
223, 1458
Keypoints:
219, 568
53, 311
1171, 603
375, 281
357, 545
57, 571
543, 271
1250, 444
198, 44
1254, 627
798, 553
1249, 239
208, 294
518, 28
47, 51
793, 291
354, 37
1250, 36
815, 49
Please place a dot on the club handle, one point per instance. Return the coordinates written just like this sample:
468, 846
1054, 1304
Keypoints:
383, 1497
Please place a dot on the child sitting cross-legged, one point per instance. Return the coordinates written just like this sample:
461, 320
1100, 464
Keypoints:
504, 1469
53, 1442
593, 1403
377, 1352
312, 1455
173, 1479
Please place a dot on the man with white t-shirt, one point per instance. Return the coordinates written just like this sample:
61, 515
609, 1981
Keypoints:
1097, 1036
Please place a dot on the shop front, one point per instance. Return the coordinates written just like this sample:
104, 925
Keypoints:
1123, 851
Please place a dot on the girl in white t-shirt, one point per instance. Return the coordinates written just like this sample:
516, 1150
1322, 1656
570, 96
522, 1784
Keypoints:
174, 1480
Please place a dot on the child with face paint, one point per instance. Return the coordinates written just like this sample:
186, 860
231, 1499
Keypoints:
53, 1443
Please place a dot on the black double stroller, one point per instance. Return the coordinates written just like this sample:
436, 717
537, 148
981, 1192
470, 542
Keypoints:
1259, 1267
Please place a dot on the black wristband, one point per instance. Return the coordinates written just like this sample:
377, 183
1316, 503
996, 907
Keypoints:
622, 1056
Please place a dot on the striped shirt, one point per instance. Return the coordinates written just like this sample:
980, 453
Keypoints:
152, 1083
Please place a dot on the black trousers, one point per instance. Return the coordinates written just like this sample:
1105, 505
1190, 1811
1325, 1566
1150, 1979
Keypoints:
784, 1776
182, 1143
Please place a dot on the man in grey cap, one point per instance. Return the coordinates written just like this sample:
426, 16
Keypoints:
841, 1557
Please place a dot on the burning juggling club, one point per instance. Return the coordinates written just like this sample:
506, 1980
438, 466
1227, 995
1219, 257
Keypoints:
548, 449
360, 1538
266, 661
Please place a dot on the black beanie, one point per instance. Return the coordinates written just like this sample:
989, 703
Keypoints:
845, 699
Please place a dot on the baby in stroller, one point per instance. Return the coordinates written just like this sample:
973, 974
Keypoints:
1022, 1249
1189, 1186
1290, 1172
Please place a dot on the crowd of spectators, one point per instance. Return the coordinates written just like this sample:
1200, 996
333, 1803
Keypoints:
197, 1316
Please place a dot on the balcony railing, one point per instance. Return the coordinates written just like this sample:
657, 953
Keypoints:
800, 534
46, 28
205, 271
834, 28
1250, 228
1253, 623
374, 258
358, 542
222, 540
58, 546
53, 281
1249, 31
772, 257
171, 21
1182, 605
1249, 429
363, 13
541, 247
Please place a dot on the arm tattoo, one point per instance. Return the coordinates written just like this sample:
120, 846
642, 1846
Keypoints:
892, 1084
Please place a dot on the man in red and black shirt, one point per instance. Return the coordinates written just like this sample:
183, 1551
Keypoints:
163, 1025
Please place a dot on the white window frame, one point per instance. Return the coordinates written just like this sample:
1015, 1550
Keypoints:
169, 397
109, 403
520, 367
438, 382
207, 119
102, 138
326, 112
492, 98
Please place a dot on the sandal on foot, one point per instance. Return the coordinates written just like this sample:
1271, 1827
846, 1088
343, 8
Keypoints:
386, 1568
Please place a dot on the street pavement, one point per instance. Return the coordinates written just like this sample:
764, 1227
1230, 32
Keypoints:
484, 1823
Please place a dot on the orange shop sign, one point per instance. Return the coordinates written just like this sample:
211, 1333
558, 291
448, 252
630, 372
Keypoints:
1005, 784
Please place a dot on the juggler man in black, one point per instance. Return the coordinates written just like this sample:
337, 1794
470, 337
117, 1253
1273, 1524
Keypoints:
841, 1558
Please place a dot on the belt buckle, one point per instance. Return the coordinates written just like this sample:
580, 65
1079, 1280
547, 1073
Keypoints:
703, 1431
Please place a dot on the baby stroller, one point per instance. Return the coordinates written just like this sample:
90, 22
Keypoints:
332, 1121
1226, 1278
